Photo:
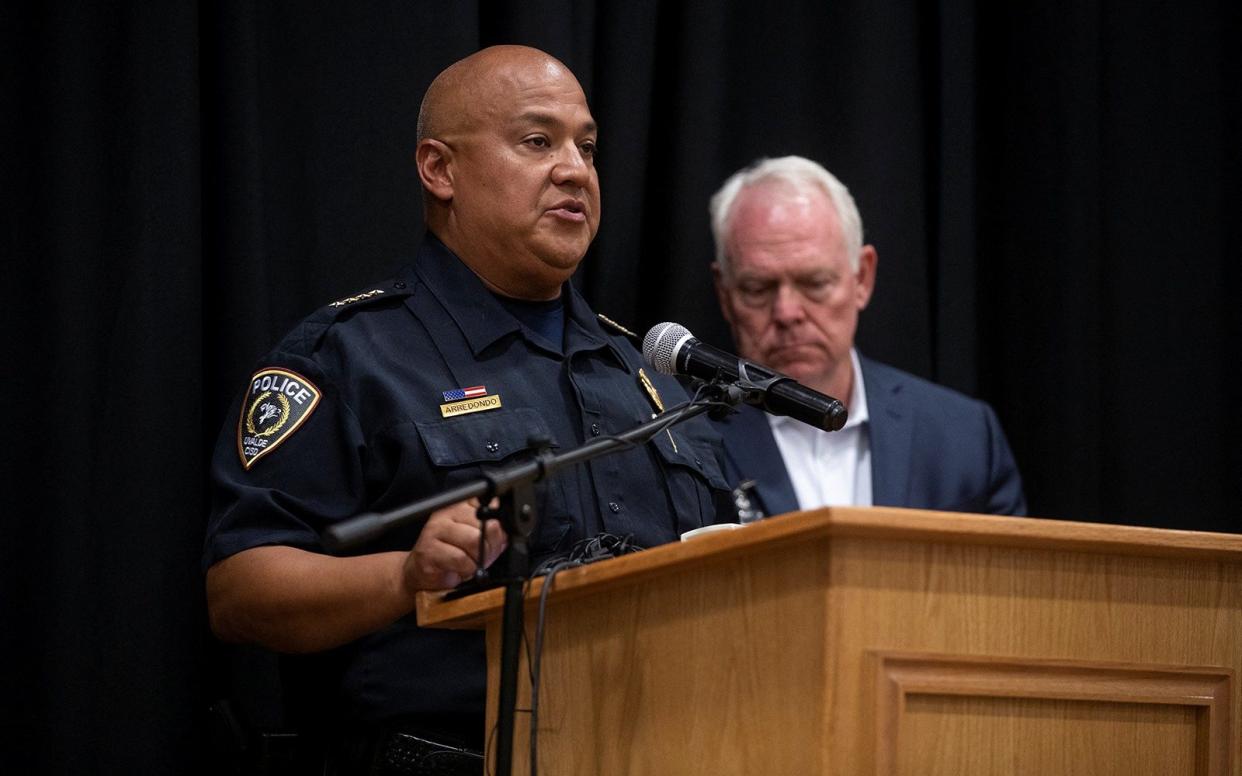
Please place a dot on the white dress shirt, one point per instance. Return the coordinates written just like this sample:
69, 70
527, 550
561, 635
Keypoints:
829, 468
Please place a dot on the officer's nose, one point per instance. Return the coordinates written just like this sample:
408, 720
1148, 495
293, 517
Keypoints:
572, 168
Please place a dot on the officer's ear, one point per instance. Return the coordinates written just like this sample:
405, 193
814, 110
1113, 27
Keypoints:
434, 161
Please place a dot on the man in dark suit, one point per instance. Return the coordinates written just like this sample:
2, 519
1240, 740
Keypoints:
792, 275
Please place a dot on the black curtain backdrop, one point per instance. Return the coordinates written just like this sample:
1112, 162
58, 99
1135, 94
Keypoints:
1054, 189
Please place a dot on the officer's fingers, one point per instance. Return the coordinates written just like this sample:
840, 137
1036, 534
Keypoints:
457, 526
447, 524
463, 511
446, 550
447, 557
444, 545
468, 511
496, 542
438, 566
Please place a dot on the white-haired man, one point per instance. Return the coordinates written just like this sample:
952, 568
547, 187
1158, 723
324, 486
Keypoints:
792, 275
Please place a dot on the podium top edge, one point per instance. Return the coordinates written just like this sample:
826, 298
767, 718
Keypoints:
879, 523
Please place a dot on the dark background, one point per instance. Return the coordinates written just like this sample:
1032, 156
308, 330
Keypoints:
1053, 187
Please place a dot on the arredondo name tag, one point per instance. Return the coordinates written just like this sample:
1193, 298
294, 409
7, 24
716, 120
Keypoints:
481, 404
278, 401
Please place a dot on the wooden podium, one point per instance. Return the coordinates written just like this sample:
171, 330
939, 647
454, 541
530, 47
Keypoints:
888, 641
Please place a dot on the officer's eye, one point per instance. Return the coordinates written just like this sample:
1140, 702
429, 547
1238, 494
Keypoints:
588, 148
537, 141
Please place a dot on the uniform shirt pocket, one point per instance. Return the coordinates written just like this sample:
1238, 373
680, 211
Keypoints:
462, 446
697, 487
483, 438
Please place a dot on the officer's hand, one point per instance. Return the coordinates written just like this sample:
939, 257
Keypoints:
446, 550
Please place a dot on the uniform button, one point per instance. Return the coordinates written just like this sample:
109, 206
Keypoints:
594, 429
493, 447
614, 506
399, 284
698, 463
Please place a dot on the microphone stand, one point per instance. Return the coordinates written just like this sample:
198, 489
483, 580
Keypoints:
514, 485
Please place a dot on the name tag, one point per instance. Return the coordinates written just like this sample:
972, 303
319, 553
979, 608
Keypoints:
482, 404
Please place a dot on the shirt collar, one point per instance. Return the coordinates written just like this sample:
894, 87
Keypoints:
858, 400
483, 320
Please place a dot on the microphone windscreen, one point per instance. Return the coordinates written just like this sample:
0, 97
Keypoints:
661, 344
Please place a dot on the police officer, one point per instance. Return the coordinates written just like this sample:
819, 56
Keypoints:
411, 386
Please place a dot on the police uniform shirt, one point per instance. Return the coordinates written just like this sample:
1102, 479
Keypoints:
408, 389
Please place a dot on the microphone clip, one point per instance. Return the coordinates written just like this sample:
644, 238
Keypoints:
751, 387
755, 382
723, 394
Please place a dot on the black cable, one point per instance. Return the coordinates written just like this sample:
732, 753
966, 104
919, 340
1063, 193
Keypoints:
598, 547
535, 664
525, 641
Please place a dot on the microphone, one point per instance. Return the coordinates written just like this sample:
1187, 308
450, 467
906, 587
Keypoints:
673, 350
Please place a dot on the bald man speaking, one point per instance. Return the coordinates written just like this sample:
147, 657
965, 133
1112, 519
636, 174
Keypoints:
413, 385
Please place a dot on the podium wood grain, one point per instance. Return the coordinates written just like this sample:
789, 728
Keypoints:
884, 641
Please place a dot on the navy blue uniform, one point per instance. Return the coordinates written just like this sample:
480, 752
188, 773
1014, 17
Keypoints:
346, 417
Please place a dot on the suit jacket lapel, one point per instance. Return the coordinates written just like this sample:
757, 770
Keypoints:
752, 451
890, 432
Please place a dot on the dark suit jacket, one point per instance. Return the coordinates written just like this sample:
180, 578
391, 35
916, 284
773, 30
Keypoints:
931, 448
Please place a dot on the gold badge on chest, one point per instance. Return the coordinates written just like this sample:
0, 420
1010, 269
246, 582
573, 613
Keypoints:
654, 397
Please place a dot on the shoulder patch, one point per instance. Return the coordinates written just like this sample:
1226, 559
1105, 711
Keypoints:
610, 323
277, 402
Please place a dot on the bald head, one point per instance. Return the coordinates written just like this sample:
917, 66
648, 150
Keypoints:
464, 93
506, 156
